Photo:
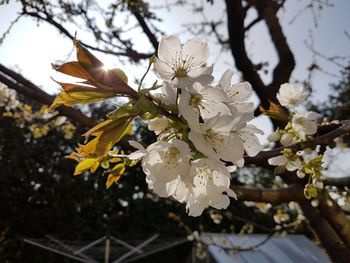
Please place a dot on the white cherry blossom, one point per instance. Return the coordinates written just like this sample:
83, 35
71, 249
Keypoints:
211, 182
205, 101
164, 163
238, 94
291, 96
281, 160
304, 123
217, 140
8, 98
181, 64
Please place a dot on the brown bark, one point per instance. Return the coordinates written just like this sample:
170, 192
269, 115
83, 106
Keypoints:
273, 196
286, 63
336, 217
329, 238
236, 32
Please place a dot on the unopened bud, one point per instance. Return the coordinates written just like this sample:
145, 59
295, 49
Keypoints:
300, 174
315, 202
274, 137
286, 139
308, 151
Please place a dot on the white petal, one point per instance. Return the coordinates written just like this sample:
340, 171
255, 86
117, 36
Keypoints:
168, 47
168, 94
182, 192
221, 203
292, 166
199, 71
231, 193
164, 70
202, 145
251, 143
225, 80
183, 147
231, 148
240, 163
158, 124
137, 155
195, 209
197, 50
137, 145
186, 110
240, 92
232, 168
280, 160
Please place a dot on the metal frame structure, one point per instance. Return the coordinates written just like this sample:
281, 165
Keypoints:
78, 254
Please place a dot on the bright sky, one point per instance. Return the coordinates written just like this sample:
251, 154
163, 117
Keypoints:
31, 48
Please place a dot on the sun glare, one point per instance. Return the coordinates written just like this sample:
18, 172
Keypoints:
107, 67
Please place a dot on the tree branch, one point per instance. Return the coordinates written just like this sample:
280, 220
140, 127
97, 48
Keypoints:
324, 139
337, 181
152, 38
286, 64
273, 196
128, 52
23, 86
330, 210
335, 248
236, 32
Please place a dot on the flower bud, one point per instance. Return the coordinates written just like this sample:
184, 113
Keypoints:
315, 202
286, 139
274, 137
308, 150
300, 174
317, 183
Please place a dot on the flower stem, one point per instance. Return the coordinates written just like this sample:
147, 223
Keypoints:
144, 75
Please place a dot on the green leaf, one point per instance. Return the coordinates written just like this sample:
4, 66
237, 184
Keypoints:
117, 171
80, 95
125, 110
111, 135
85, 165
143, 104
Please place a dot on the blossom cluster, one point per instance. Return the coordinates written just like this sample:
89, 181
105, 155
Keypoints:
8, 98
205, 133
301, 126
39, 122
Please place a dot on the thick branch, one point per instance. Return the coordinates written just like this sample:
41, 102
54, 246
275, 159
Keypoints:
286, 64
335, 248
152, 38
273, 196
235, 20
337, 181
336, 217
